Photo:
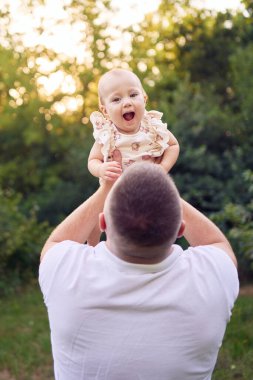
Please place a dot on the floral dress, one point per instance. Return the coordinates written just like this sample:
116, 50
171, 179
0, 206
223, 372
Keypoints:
148, 143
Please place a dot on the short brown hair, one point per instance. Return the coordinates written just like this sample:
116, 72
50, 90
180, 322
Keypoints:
145, 206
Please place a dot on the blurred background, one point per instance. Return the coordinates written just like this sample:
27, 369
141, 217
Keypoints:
195, 60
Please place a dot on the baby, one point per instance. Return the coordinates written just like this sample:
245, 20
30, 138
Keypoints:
125, 125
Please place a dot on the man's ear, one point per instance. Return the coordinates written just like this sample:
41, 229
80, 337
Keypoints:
102, 223
181, 229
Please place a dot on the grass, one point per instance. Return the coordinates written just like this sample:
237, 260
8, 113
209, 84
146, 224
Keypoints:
235, 360
25, 351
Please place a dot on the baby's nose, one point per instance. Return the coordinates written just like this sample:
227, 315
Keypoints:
127, 101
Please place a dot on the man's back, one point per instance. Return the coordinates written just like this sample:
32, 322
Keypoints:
114, 320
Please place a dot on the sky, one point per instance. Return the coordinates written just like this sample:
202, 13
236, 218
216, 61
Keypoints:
136, 10
129, 12
220, 5
62, 37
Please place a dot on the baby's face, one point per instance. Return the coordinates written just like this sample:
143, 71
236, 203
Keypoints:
123, 101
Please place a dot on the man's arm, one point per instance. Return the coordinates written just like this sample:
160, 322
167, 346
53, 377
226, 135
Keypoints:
199, 230
79, 224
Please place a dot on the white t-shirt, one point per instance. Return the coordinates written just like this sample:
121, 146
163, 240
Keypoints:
114, 320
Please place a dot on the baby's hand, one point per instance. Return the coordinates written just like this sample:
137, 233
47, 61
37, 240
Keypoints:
110, 171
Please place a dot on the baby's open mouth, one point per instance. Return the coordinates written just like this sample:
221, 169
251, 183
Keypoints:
128, 116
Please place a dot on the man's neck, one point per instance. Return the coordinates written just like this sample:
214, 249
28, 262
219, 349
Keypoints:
141, 255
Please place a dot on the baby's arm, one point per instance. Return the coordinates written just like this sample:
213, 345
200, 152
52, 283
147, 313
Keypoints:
170, 154
109, 171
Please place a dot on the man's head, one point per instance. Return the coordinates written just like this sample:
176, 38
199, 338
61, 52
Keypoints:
122, 99
142, 214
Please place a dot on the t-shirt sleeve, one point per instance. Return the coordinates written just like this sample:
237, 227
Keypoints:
61, 265
220, 270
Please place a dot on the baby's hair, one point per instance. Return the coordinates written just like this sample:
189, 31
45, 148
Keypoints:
116, 72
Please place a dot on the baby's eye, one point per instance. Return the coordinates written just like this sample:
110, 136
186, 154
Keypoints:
134, 94
116, 99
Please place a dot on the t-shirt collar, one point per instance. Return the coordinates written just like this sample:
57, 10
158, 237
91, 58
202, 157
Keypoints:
125, 266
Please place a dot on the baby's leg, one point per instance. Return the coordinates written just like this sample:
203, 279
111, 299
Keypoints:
94, 237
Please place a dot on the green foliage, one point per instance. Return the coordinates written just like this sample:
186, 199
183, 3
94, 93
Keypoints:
235, 359
43, 157
21, 240
196, 67
242, 82
199, 73
24, 331
237, 220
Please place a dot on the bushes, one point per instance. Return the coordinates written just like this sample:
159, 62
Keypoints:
21, 241
237, 221
198, 73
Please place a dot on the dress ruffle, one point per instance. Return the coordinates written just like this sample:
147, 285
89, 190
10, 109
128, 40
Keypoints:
158, 132
103, 133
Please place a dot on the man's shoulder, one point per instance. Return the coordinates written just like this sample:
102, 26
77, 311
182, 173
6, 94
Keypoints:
64, 262
62, 255
211, 254
67, 252
210, 250
60, 250
214, 263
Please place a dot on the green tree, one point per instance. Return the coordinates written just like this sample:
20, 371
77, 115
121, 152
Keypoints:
43, 158
197, 68
20, 237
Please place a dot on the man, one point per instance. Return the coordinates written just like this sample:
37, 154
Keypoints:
137, 306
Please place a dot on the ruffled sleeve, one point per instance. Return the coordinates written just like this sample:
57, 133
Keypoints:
102, 132
158, 132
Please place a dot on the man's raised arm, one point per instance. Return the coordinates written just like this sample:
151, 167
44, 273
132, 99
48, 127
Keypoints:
199, 230
79, 224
